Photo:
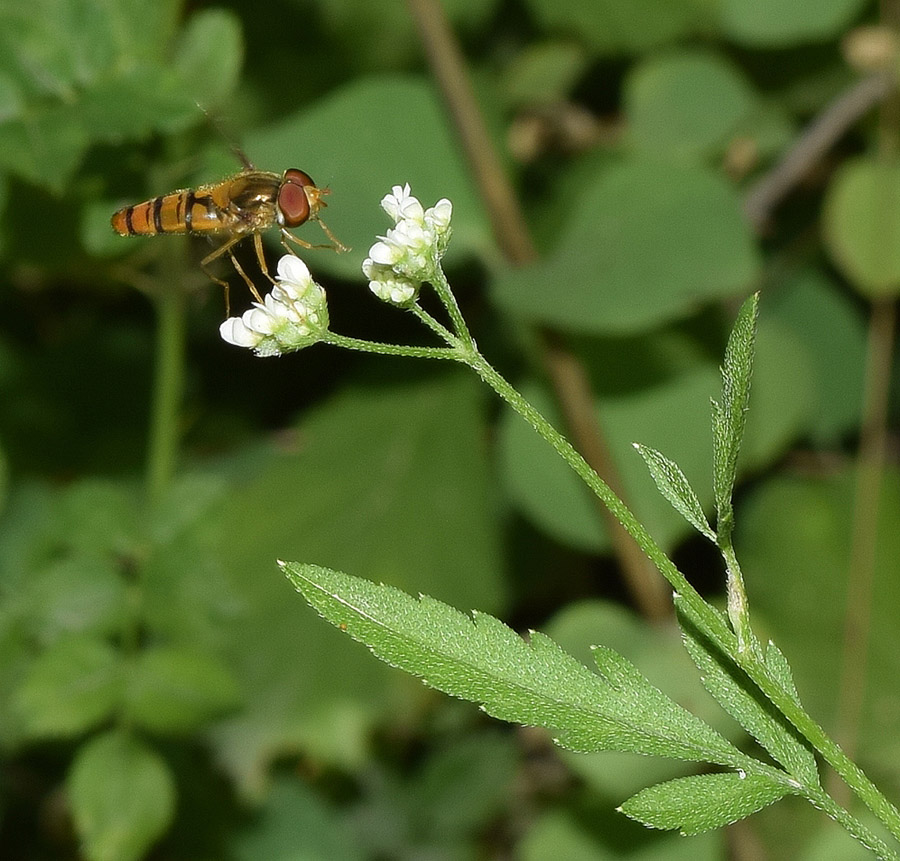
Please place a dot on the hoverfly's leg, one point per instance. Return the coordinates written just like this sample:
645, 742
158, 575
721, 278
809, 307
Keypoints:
226, 287
302, 243
226, 249
336, 243
287, 236
260, 256
246, 278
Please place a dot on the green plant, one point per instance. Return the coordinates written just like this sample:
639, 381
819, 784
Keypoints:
535, 683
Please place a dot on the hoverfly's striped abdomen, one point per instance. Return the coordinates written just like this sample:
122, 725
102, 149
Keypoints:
178, 212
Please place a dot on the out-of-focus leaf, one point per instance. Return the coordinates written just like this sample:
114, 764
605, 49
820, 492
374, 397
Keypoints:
359, 142
80, 72
172, 689
72, 686
45, 145
82, 593
647, 243
619, 26
793, 540
296, 825
133, 103
862, 224
693, 805
389, 480
209, 55
544, 72
686, 105
810, 309
122, 796
559, 834
671, 416
381, 36
783, 23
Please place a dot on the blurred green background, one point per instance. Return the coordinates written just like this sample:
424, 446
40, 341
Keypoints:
164, 693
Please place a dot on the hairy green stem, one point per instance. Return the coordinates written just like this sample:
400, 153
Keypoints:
707, 619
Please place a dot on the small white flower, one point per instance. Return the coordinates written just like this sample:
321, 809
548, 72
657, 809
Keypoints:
438, 216
235, 331
400, 204
292, 316
387, 285
410, 251
293, 275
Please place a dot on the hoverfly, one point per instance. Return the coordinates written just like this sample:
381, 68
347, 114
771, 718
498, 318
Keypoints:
244, 204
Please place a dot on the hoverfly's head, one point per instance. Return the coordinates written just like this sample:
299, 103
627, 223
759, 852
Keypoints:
298, 198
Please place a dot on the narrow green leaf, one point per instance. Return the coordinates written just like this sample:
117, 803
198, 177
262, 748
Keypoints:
752, 710
703, 802
674, 486
122, 796
536, 683
178, 689
729, 416
72, 686
778, 666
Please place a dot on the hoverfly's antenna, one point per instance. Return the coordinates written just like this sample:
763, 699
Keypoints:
219, 126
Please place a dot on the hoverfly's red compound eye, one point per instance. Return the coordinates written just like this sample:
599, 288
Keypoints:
298, 198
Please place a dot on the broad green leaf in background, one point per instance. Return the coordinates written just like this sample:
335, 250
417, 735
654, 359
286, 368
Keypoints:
209, 55
387, 478
382, 35
295, 824
478, 658
71, 687
693, 805
172, 689
544, 72
783, 23
811, 310
122, 797
686, 105
646, 243
561, 834
4, 479
441, 808
103, 71
361, 140
82, 593
620, 26
544, 489
862, 224
792, 537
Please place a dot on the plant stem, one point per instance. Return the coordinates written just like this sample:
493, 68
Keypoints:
383, 349
704, 616
168, 384
831, 751
709, 621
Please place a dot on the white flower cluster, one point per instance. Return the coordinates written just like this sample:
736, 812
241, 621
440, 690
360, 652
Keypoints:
292, 316
411, 250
